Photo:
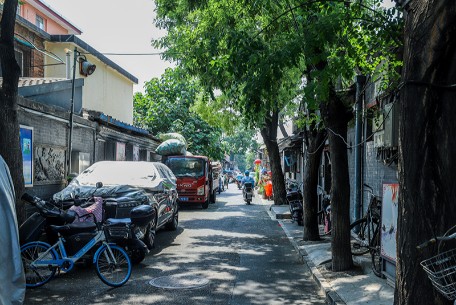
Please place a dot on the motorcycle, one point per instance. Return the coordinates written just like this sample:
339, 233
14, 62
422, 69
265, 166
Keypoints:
294, 198
247, 192
125, 232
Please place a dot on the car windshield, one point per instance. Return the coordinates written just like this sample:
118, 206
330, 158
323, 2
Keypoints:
186, 167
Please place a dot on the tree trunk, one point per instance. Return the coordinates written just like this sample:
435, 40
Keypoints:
10, 147
336, 117
316, 140
269, 134
427, 144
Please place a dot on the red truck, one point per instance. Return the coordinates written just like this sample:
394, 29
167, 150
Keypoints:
197, 182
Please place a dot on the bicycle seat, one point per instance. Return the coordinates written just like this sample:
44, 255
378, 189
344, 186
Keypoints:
75, 228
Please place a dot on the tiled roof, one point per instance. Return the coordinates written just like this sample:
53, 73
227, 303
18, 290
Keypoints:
32, 81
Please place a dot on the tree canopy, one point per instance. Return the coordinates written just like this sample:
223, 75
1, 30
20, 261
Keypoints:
165, 107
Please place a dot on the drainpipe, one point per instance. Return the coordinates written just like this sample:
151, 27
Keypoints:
360, 81
68, 64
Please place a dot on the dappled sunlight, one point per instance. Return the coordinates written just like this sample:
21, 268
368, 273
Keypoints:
362, 289
244, 255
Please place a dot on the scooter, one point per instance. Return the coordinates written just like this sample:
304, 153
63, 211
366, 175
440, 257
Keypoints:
294, 198
122, 231
247, 192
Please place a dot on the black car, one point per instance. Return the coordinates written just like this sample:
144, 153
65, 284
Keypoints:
126, 185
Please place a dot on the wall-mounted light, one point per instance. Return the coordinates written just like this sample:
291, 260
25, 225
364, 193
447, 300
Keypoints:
86, 68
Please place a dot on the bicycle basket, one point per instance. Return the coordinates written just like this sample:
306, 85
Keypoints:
441, 270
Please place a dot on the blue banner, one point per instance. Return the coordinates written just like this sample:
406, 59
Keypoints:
26, 136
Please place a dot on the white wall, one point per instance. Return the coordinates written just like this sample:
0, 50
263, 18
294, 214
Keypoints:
106, 90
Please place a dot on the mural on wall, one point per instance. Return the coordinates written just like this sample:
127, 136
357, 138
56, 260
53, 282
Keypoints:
49, 164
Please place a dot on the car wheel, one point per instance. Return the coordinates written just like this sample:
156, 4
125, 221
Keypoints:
206, 204
174, 221
214, 197
149, 237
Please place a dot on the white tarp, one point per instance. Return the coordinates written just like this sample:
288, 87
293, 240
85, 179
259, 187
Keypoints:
12, 287
118, 178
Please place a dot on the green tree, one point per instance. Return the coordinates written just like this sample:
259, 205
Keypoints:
218, 41
258, 53
165, 107
339, 40
10, 148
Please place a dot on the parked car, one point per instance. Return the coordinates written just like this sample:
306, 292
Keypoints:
126, 185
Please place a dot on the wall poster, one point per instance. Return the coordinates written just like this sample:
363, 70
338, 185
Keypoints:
120, 152
389, 220
26, 138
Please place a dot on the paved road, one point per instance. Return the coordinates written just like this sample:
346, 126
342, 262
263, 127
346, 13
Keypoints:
245, 256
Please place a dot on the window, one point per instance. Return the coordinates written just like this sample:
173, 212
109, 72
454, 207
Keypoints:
39, 22
20, 60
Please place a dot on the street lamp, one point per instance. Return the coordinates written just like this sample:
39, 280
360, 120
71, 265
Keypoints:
85, 68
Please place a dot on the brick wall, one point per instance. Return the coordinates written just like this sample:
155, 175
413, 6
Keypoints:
375, 172
50, 140
36, 58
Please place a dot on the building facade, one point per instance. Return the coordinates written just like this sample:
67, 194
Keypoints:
102, 129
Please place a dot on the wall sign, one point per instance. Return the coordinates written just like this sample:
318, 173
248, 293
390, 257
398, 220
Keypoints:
26, 139
389, 221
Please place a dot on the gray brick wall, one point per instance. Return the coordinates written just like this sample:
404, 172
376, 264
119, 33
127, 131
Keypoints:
375, 172
50, 132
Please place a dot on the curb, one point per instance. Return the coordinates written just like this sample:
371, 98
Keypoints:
332, 298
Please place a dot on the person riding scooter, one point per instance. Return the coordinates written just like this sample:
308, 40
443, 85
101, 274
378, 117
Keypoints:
247, 187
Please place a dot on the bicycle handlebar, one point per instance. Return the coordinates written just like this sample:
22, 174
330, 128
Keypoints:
426, 244
435, 239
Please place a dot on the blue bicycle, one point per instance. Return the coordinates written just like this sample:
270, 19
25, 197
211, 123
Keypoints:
41, 260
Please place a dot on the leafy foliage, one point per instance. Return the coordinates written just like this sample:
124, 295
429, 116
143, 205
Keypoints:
165, 107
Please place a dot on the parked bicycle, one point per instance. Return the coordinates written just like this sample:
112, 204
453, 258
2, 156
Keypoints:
366, 232
112, 264
441, 268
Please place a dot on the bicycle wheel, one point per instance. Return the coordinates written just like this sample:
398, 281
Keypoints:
360, 244
113, 265
377, 261
36, 276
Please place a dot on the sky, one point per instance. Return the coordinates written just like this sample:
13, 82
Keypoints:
118, 26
